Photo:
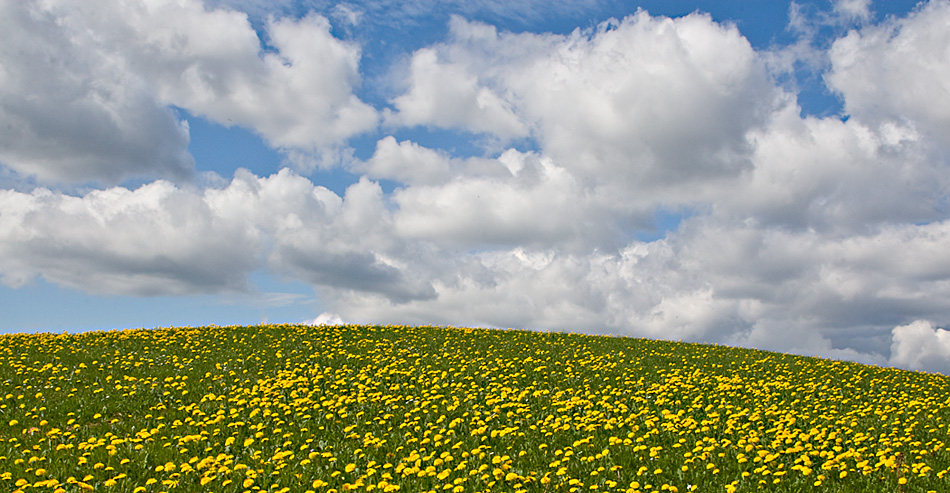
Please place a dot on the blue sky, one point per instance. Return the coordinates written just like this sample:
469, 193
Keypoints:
762, 174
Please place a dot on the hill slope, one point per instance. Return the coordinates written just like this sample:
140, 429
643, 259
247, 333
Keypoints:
302, 408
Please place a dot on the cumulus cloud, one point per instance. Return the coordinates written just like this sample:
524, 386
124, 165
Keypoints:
327, 240
354, 250
853, 9
631, 93
836, 176
326, 318
617, 101
87, 87
845, 292
610, 109
74, 111
299, 96
898, 72
632, 292
163, 240
771, 289
406, 162
532, 201
921, 346
447, 95
157, 239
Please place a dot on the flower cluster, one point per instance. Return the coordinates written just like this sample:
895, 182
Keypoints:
287, 408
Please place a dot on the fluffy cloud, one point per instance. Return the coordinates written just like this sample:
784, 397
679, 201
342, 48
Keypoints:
326, 318
447, 95
353, 250
713, 281
617, 101
154, 240
330, 241
837, 177
298, 96
843, 293
86, 87
898, 71
163, 240
853, 9
610, 109
620, 104
73, 111
406, 162
921, 346
527, 201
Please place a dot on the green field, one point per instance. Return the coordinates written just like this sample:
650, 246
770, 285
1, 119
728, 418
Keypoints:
283, 408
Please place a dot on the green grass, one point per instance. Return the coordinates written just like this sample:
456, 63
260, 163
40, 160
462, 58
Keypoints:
414, 409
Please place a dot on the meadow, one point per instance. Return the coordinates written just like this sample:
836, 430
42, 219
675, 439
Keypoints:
293, 408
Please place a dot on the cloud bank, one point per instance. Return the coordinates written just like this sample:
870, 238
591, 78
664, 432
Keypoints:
816, 235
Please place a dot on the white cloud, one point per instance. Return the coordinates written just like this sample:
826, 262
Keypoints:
406, 162
633, 115
613, 105
448, 95
352, 250
314, 235
326, 318
714, 280
898, 71
528, 201
770, 289
72, 110
86, 86
631, 293
157, 239
351, 15
921, 346
299, 96
836, 176
853, 9
620, 104
163, 240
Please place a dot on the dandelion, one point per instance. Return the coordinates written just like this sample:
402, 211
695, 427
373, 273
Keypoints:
460, 410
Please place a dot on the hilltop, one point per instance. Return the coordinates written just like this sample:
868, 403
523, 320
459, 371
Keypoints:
295, 408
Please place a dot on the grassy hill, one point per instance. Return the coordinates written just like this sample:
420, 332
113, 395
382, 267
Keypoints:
330, 409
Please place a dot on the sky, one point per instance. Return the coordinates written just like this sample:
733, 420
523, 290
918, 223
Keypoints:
773, 175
